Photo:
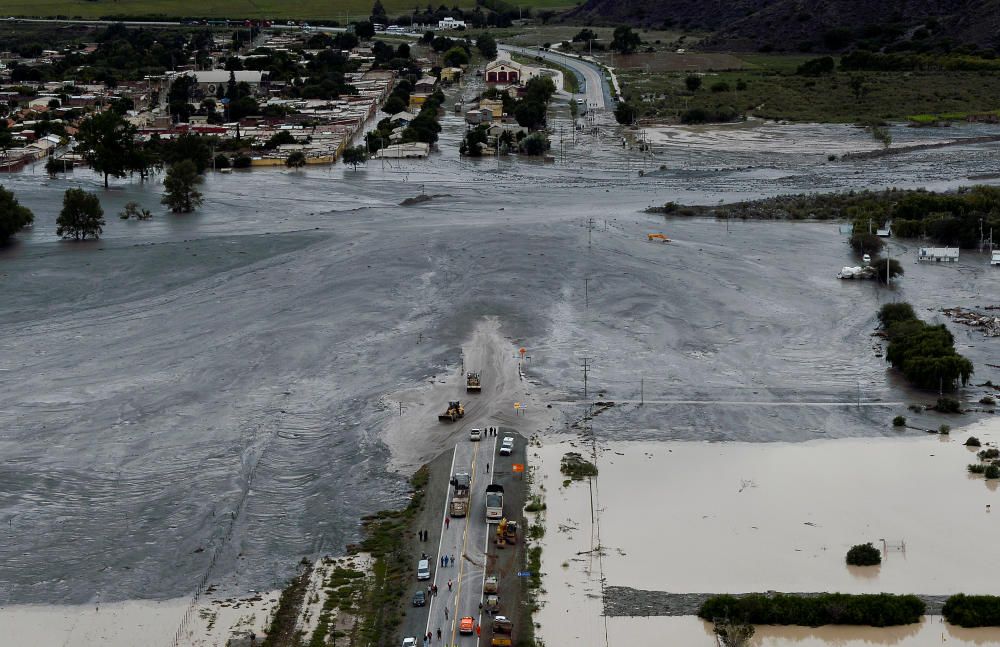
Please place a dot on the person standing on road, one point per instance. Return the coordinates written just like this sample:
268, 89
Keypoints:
487, 467
439, 633
447, 522
446, 613
449, 585
452, 559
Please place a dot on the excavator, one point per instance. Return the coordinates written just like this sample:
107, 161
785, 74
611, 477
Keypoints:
454, 412
657, 237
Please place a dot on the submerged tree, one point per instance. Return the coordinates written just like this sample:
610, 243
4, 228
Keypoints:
181, 195
81, 216
13, 217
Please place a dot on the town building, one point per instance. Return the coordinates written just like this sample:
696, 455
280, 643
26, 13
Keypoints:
938, 254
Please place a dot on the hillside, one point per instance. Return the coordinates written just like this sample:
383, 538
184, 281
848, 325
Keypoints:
811, 25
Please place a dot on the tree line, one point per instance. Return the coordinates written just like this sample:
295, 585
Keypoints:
925, 354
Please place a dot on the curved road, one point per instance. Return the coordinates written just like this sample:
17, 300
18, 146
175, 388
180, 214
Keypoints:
595, 88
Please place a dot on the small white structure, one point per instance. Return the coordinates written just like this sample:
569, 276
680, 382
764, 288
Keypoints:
995, 259
938, 254
884, 233
451, 23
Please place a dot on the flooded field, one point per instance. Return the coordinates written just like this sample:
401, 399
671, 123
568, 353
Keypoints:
203, 398
743, 517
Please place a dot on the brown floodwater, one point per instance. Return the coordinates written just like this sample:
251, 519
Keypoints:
689, 517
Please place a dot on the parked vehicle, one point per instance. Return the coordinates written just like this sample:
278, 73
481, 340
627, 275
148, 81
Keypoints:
424, 569
494, 502
409, 642
502, 625
454, 412
419, 598
507, 446
490, 584
459, 506
467, 625
472, 384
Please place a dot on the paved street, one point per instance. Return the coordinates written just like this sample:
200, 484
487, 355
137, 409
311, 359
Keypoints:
595, 88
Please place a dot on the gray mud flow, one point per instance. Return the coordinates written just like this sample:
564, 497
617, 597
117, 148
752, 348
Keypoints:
209, 397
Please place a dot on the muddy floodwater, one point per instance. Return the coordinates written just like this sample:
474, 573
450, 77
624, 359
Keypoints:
202, 400
687, 517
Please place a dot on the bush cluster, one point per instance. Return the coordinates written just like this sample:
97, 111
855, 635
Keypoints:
881, 610
972, 610
864, 555
924, 353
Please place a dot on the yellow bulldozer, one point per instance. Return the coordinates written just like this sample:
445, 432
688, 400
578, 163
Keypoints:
454, 412
506, 532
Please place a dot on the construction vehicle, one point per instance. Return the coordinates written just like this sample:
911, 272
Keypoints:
506, 532
454, 412
459, 506
494, 502
490, 584
472, 384
657, 238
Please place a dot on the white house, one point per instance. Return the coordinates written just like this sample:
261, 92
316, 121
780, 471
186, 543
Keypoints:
451, 23
995, 259
938, 254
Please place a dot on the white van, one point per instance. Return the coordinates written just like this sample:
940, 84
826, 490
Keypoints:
424, 569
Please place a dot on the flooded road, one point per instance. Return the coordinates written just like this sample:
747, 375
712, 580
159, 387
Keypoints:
201, 398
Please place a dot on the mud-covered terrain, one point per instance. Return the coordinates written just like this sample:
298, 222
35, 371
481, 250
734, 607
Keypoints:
203, 398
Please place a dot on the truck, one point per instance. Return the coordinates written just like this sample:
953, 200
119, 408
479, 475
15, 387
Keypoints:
494, 502
472, 383
454, 412
502, 625
459, 506
490, 584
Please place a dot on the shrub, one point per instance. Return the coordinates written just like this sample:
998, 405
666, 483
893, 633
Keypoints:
864, 555
977, 468
989, 454
973, 442
925, 354
242, 161
720, 86
576, 466
692, 82
972, 610
881, 610
992, 472
944, 429
948, 405
899, 421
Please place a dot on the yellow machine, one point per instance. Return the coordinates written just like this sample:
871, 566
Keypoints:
657, 238
506, 532
454, 412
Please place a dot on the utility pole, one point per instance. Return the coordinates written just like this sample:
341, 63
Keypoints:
586, 293
642, 391
586, 368
590, 229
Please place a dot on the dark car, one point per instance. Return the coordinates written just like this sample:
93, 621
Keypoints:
419, 599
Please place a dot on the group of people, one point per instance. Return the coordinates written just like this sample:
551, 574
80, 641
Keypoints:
492, 431
447, 560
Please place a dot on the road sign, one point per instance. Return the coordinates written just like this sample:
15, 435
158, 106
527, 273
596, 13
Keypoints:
524, 573
518, 467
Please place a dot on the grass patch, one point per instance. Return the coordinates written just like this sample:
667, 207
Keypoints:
535, 504
881, 610
768, 87
576, 467
282, 628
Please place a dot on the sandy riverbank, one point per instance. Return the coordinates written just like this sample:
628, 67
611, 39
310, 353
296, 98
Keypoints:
692, 517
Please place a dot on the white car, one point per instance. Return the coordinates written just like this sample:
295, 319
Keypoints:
409, 642
507, 446
475, 434
866, 259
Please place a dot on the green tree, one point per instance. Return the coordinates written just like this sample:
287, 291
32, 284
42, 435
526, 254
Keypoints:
364, 30
296, 160
692, 82
534, 144
280, 138
487, 45
880, 134
817, 67
456, 56
625, 40
107, 143
530, 114
626, 113
180, 192
188, 147
394, 104
883, 273
471, 143
355, 155
13, 217
81, 216
864, 555
378, 13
